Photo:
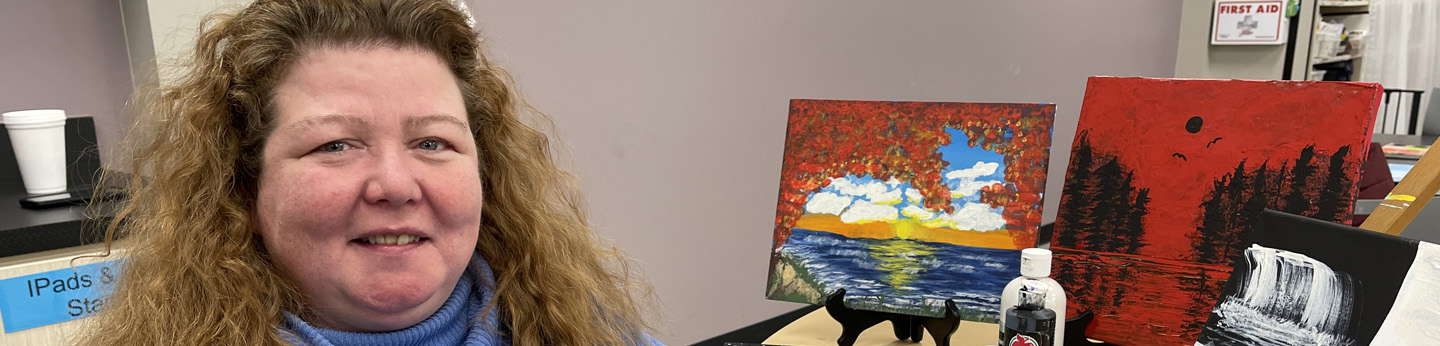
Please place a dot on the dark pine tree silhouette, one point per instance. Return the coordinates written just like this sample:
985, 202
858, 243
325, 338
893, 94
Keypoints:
1214, 217
1236, 200
1215, 220
1135, 225
1103, 209
1336, 195
1295, 201
1079, 184
1111, 204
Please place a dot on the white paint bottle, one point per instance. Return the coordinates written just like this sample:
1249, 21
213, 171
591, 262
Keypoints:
1035, 265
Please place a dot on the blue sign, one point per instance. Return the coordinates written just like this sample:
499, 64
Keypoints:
56, 296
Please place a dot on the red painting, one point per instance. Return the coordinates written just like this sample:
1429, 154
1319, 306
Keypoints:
1167, 177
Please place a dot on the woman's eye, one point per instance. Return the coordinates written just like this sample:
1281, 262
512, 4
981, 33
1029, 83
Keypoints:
334, 147
432, 144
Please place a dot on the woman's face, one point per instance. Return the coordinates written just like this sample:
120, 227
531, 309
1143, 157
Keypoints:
370, 191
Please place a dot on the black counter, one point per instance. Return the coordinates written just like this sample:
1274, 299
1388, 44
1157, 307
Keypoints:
24, 231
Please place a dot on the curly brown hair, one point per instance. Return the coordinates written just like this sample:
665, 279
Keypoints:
195, 271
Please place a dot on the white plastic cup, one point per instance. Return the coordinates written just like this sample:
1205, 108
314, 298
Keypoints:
38, 137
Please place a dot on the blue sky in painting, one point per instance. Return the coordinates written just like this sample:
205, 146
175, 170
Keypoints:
962, 156
865, 199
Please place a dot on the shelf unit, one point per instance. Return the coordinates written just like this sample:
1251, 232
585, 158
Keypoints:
1354, 15
1295, 60
1338, 58
1339, 3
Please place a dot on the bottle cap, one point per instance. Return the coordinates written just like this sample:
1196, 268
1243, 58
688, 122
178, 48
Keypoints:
1035, 262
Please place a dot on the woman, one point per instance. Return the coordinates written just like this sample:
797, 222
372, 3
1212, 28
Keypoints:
318, 176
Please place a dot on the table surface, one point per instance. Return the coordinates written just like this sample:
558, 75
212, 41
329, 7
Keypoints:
818, 329
1403, 139
24, 231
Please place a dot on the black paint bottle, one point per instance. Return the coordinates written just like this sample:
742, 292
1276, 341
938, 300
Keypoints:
1029, 323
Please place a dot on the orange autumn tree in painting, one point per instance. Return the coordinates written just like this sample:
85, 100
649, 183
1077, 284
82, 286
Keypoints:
908, 204
885, 140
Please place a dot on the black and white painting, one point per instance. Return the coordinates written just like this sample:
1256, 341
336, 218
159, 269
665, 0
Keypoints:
1305, 281
1283, 298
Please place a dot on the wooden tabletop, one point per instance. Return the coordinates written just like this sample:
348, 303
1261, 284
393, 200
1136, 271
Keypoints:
818, 329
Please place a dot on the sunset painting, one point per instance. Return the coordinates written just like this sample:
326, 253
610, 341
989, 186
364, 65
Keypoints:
905, 205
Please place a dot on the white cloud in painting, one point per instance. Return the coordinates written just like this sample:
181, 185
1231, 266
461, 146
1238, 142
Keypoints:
969, 188
847, 187
875, 191
827, 203
891, 197
917, 212
979, 170
863, 211
914, 196
963, 183
971, 217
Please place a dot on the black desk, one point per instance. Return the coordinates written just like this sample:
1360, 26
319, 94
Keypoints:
24, 231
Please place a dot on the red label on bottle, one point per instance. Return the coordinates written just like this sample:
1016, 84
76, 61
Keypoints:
1022, 340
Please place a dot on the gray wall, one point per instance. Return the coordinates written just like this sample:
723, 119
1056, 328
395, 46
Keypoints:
674, 111
69, 55
1198, 59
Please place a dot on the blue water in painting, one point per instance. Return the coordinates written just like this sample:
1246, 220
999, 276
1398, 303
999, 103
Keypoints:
903, 275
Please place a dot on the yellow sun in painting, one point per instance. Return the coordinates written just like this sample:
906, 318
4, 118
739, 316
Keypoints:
906, 228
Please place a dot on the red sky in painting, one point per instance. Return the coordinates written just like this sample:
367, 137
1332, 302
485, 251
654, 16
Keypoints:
1143, 121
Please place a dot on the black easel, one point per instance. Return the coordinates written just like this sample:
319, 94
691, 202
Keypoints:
852, 322
1075, 331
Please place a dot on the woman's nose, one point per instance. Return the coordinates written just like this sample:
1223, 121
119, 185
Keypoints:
392, 181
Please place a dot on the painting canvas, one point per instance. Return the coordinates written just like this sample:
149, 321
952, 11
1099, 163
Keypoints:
1309, 282
1167, 176
906, 205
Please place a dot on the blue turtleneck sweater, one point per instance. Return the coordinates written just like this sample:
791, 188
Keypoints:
455, 324
451, 325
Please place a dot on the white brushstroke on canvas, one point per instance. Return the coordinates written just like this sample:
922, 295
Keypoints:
972, 216
1321, 305
1286, 298
1415, 317
891, 197
979, 170
914, 196
917, 212
968, 188
875, 191
863, 211
827, 203
962, 182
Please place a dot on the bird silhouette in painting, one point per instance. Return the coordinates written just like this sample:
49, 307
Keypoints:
1194, 125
